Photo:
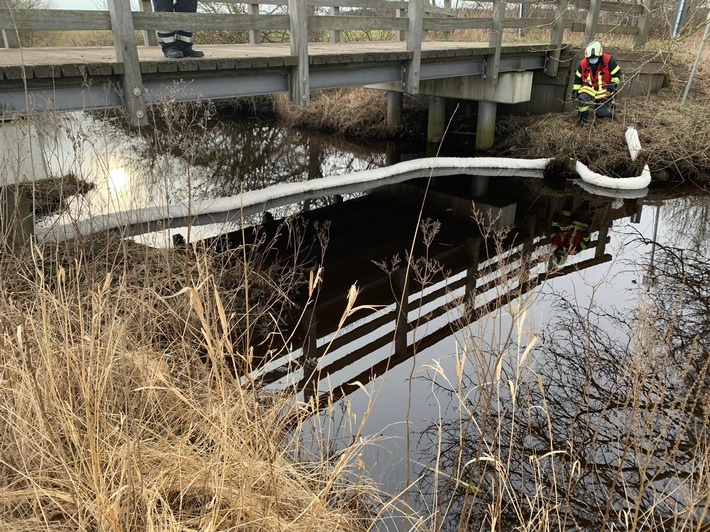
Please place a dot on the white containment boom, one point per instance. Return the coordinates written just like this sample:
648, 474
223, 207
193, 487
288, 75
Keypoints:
619, 183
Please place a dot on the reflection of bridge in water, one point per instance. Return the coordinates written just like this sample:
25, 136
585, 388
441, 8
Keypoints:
470, 277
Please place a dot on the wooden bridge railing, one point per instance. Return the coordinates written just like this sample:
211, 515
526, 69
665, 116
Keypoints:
480, 287
301, 18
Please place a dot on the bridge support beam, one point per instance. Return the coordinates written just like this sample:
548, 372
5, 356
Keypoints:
512, 87
437, 119
395, 105
486, 124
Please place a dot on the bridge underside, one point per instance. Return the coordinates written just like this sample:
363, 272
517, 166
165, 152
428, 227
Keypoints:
38, 80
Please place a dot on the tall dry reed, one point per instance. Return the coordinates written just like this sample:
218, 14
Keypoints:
121, 409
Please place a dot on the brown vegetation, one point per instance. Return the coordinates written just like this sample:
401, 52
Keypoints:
110, 419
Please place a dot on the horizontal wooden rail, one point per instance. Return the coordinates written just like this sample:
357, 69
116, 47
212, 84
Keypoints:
348, 4
344, 22
78, 20
58, 20
612, 7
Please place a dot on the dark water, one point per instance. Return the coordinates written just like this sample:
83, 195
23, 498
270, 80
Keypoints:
525, 389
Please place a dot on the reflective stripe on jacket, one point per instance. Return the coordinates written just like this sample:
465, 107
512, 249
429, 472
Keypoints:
593, 81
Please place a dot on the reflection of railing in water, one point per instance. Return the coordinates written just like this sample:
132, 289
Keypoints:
469, 289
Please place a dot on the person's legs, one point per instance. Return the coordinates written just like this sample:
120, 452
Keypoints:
584, 102
167, 39
605, 109
184, 38
160, 6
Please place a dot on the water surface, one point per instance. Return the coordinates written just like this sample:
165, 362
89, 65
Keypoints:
575, 388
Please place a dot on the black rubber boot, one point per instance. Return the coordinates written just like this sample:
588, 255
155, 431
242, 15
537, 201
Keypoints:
582, 119
172, 52
189, 52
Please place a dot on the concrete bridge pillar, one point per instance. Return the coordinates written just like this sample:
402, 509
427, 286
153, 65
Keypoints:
394, 108
486, 124
479, 185
437, 119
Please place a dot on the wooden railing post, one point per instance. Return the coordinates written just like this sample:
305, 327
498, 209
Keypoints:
149, 36
9, 37
472, 248
558, 30
601, 242
300, 80
415, 35
402, 311
311, 374
447, 34
398, 34
495, 40
254, 35
124, 41
590, 29
529, 235
644, 26
334, 34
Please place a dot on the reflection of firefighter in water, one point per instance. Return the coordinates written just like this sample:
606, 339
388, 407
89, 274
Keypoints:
570, 231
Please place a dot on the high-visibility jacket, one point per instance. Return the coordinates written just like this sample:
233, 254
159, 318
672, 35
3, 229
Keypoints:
594, 79
569, 232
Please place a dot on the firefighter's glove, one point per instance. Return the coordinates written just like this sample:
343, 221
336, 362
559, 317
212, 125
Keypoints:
574, 95
611, 87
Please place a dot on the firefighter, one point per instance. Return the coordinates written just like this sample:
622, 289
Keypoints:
177, 43
570, 232
595, 83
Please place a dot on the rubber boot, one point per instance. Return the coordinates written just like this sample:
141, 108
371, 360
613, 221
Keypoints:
187, 50
604, 110
172, 52
582, 119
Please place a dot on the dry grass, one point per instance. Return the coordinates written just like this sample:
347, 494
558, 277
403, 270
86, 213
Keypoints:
120, 410
357, 113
